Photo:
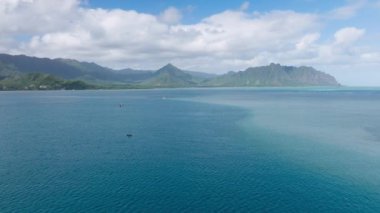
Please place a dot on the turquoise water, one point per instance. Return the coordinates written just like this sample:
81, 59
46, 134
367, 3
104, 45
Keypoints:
192, 150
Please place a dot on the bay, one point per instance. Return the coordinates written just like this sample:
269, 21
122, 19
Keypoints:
192, 150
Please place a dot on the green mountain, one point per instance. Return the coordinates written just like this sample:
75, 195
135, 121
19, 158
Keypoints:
171, 76
274, 75
68, 69
40, 81
19, 72
63, 68
11, 65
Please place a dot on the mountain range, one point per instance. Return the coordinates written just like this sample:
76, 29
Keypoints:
20, 70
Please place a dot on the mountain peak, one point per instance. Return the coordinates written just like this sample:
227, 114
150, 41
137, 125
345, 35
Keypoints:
170, 76
169, 66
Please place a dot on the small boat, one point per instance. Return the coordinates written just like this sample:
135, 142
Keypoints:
129, 135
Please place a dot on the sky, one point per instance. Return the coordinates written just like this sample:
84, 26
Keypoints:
340, 37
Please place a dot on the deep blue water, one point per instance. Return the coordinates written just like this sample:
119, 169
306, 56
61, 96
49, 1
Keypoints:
192, 150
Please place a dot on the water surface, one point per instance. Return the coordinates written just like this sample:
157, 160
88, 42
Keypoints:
274, 150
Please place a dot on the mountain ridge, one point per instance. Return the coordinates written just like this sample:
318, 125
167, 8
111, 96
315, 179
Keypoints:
275, 75
166, 76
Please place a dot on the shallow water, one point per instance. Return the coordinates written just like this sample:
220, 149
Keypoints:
276, 150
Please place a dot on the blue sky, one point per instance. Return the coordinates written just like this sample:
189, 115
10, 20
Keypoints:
340, 37
204, 8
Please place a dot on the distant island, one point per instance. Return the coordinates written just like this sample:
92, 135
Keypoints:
20, 72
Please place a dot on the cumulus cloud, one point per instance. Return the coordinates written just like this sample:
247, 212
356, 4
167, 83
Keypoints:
171, 16
307, 41
229, 40
36, 16
338, 51
127, 38
348, 35
245, 6
348, 11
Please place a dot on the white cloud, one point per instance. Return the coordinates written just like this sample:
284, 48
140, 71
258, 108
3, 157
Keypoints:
9, 5
36, 16
348, 11
340, 50
230, 40
128, 38
245, 6
348, 35
307, 41
171, 16
371, 57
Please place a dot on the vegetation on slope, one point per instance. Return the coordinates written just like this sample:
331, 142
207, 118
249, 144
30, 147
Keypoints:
274, 75
40, 81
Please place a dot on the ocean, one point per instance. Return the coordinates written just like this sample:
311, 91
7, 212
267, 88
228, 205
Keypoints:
191, 150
